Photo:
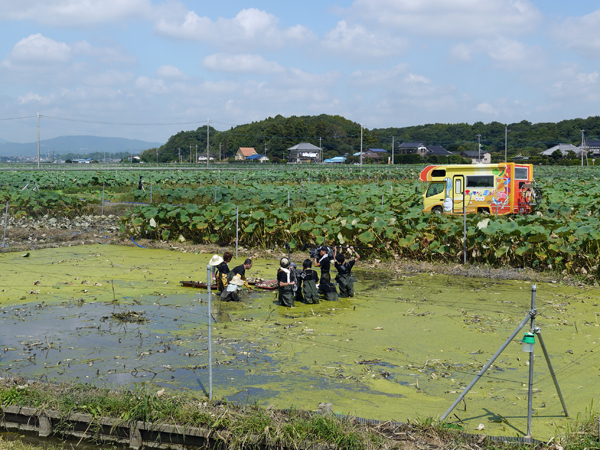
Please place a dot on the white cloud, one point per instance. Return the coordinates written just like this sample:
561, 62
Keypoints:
486, 108
451, 18
574, 85
104, 55
169, 72
250, 28
150, 86
37, 49
108, 78
355, 41
398, 76
580, 34
76, 13
255, 64
504, 53
29, 97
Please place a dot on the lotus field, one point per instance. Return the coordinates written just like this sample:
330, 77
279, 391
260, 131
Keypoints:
377, 207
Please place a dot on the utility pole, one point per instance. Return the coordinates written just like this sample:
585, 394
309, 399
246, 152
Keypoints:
479, 146
190, 153
582, 145
393, 149
196, 161
157, 156
220, 143
361, 155
38, 136
207, 140
506, 143
179, 152
321, 148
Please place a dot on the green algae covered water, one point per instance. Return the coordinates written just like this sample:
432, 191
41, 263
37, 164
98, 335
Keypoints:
403, 348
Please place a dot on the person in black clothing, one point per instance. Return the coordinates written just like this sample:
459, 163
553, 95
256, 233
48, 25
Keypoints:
141, 185
241, 271
344, 276
298, 286
286, 281
325, 287
310, 278
222, 271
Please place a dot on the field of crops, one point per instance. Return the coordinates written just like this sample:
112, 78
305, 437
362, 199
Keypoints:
377, 207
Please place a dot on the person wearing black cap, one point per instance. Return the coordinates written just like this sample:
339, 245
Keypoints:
344, 276
285, 282
325, 287
310, 278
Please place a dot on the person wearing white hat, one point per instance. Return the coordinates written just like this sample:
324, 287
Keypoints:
230, 294
222, 270
286, 282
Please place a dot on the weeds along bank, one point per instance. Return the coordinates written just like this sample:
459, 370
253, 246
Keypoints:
378, 207
239, 427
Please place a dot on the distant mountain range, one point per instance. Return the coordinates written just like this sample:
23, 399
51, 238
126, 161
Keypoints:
76, 144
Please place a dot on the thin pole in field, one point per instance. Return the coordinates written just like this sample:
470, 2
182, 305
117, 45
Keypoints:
237, 229
208, 286
464, 226
5, 225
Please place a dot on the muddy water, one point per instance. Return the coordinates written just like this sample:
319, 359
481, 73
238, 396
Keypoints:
403, 348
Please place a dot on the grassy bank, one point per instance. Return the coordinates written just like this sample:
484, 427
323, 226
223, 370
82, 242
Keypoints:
250, 426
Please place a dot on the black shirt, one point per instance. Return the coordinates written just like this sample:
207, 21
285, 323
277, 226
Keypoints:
310, 275
325, 264
345, 268
282, 277
223, 268
239, 270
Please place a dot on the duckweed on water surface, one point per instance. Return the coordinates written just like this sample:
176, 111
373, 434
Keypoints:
404, 347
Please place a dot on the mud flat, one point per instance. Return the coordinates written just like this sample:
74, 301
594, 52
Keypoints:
403, 348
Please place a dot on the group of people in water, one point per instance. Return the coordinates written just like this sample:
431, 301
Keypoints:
294, 285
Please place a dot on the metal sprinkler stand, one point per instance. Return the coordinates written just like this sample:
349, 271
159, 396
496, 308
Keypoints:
533, 329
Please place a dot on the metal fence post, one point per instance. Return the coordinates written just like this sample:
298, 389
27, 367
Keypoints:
237, 229
5, 225
102, 198
208, 286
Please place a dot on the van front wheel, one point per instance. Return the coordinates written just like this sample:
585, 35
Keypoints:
437, 209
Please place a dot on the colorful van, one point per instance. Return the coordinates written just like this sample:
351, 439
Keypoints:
503, 188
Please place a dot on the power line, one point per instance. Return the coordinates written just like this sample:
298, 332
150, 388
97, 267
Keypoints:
18, 118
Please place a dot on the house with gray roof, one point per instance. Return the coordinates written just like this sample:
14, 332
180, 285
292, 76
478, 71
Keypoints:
305, 152
593, 145
419, 148
564, 150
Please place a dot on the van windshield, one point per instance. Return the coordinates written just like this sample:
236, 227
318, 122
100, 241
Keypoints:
435, 189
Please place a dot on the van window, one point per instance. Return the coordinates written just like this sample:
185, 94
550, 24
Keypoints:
458, 186
438, 173
480, 181
521, 173
435, 189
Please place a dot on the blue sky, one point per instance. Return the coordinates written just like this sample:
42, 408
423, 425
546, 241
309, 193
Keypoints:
146, 69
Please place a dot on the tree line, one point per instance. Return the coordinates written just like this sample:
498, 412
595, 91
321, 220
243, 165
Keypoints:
339, 136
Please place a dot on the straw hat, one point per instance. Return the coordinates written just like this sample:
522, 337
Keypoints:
215, 260
237, 281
